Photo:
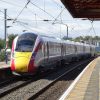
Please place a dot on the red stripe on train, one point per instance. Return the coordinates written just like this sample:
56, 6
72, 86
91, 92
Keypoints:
37, 48
12, 47
12, 65
31, 66
12, 60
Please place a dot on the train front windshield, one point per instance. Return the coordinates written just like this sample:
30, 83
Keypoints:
26, 42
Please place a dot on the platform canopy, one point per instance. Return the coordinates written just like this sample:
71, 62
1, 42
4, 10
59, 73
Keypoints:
83, 8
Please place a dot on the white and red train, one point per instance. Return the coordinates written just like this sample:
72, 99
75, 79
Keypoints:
31, 52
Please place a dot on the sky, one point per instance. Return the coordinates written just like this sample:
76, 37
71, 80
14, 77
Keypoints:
31, 18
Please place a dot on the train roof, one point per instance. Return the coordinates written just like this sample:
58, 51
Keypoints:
57, 40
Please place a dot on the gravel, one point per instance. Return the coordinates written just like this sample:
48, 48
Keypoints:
55, 91
29, 90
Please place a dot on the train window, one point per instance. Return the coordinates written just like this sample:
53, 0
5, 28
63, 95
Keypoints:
54, 48
75, 48
24, 45
68, 48
25, 42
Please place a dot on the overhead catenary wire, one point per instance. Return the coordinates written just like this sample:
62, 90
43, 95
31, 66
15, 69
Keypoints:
20, 13
55, 18
44, 4
93, 28
56, 3
42, 19
72, 29
81, 26
1, 18
7, 15
58, 15
24, 8
27, 26
42, 9
36, 20
13, 4
21, 10
10, 18
21, 23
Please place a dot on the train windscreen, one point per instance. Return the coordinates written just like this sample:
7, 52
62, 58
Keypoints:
26, 42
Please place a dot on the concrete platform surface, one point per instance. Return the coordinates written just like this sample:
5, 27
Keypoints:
4, 65
87, 85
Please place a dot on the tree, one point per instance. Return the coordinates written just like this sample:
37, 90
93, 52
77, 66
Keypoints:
78, 39
88, 38
10, 39
2, 44
66, 38
96, 38
2, 56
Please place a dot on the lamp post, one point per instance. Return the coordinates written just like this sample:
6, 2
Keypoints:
5, 23
59, 23
67, 31
5, 32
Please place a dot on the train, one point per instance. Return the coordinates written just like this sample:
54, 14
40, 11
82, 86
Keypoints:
32, 52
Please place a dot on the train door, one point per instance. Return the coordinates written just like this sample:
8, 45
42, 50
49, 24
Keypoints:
83, 49
44, 50
63, 50
75, 49
67, 49
47, 51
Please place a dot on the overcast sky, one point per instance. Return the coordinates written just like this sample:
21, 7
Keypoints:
33, 15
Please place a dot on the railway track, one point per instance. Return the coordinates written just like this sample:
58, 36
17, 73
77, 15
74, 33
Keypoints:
9, 80
12, 85
16, 82
33, 88
40, 95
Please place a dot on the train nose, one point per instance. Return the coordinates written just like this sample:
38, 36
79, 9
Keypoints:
20, 62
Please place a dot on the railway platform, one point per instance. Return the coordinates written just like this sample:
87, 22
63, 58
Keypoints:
4, 65
87, 85
4, 70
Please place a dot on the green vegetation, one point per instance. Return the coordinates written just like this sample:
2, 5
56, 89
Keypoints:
65, 38
10, 38
2, 46
88, 39
2, 56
